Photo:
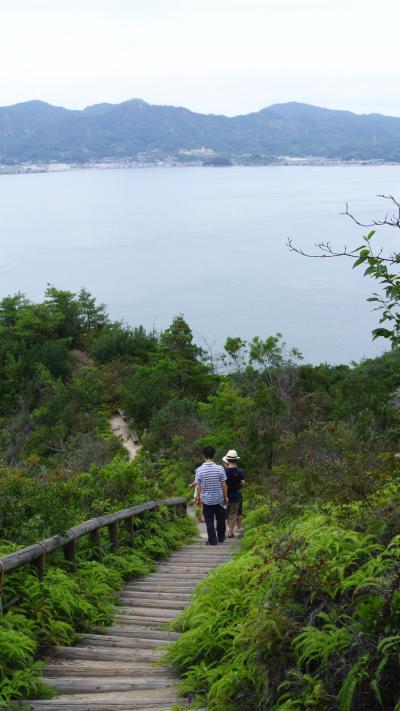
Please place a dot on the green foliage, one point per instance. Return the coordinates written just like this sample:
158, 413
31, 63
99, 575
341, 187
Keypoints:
176, 371
305, 617
118, 342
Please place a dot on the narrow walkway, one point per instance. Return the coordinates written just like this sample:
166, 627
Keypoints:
118, 670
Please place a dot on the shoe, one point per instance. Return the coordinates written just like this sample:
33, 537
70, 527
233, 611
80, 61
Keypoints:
221, 541
210, 544
232, 536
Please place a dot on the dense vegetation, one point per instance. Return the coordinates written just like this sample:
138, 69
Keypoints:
306, 615
36, 131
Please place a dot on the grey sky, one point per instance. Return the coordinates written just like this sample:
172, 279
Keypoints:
220, 56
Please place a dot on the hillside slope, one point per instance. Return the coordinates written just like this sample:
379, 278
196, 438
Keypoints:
36, 131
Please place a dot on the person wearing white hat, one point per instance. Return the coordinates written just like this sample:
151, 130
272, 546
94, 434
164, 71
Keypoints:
234, 481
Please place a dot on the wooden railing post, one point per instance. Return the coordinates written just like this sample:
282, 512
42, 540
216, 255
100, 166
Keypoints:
40, 562
113, 534
95, 537
171, 512
130, 529
70, 553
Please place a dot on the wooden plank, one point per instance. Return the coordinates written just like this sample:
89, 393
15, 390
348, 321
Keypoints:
128, 601
105, 655
130, 631
81, 685
157, 595
105, 640
94, 705
142, 619
63, 670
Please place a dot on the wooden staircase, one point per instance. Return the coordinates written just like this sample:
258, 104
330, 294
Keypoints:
118, 670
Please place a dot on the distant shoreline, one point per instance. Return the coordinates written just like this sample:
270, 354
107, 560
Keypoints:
285, 161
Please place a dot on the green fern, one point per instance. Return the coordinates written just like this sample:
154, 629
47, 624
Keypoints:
356, 675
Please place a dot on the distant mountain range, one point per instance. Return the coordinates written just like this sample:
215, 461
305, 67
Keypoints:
35, 131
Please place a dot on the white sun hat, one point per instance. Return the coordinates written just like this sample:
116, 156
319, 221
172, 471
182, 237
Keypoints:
231, 455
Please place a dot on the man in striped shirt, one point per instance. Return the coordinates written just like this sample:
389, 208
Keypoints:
211, 490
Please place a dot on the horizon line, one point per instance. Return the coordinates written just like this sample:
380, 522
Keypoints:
204, 113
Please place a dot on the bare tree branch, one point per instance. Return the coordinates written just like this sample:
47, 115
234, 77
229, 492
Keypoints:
324, 247
389, 220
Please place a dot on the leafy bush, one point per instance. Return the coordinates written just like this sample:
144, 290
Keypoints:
305, 616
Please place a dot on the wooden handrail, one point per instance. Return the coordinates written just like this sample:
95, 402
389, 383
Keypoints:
37, 552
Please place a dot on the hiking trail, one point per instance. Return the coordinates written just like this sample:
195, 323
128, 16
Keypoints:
117, 670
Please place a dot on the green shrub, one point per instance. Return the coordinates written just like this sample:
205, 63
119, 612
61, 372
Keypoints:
306, 616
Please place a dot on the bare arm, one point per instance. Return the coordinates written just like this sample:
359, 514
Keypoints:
198, 492
224, 491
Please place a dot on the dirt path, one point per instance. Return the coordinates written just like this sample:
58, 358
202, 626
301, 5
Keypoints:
121, 429
118, 424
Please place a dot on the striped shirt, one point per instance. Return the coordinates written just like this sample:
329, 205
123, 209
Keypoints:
210, 476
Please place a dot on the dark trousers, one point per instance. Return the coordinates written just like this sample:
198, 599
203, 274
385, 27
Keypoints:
210, 512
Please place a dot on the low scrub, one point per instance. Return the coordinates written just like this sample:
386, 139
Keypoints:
306, 616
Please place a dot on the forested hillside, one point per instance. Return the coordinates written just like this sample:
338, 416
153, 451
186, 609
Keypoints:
36, 131
307, 614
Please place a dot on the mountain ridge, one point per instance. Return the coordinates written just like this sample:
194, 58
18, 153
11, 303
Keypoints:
135, 130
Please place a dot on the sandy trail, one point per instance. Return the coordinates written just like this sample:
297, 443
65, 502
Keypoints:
121, 429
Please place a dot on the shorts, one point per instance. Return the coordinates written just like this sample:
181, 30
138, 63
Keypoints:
232, 510
240, 509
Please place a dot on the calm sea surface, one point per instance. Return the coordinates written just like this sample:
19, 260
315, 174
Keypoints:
205, 242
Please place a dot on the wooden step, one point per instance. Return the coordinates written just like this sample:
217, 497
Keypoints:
140, 619
79, 685
175, 575
203, 560
130, 631
138, 610
161, 587
103, 640
154, 703
135, 696
73, 705
186, 570
162, 603
95, 671
172, 577
101, 654
156, 595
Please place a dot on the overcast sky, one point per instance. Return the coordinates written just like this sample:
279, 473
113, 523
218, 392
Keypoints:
214, 56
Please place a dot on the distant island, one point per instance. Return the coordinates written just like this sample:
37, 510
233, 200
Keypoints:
36, 136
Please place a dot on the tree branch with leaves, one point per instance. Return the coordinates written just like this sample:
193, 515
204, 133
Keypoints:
382, 267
